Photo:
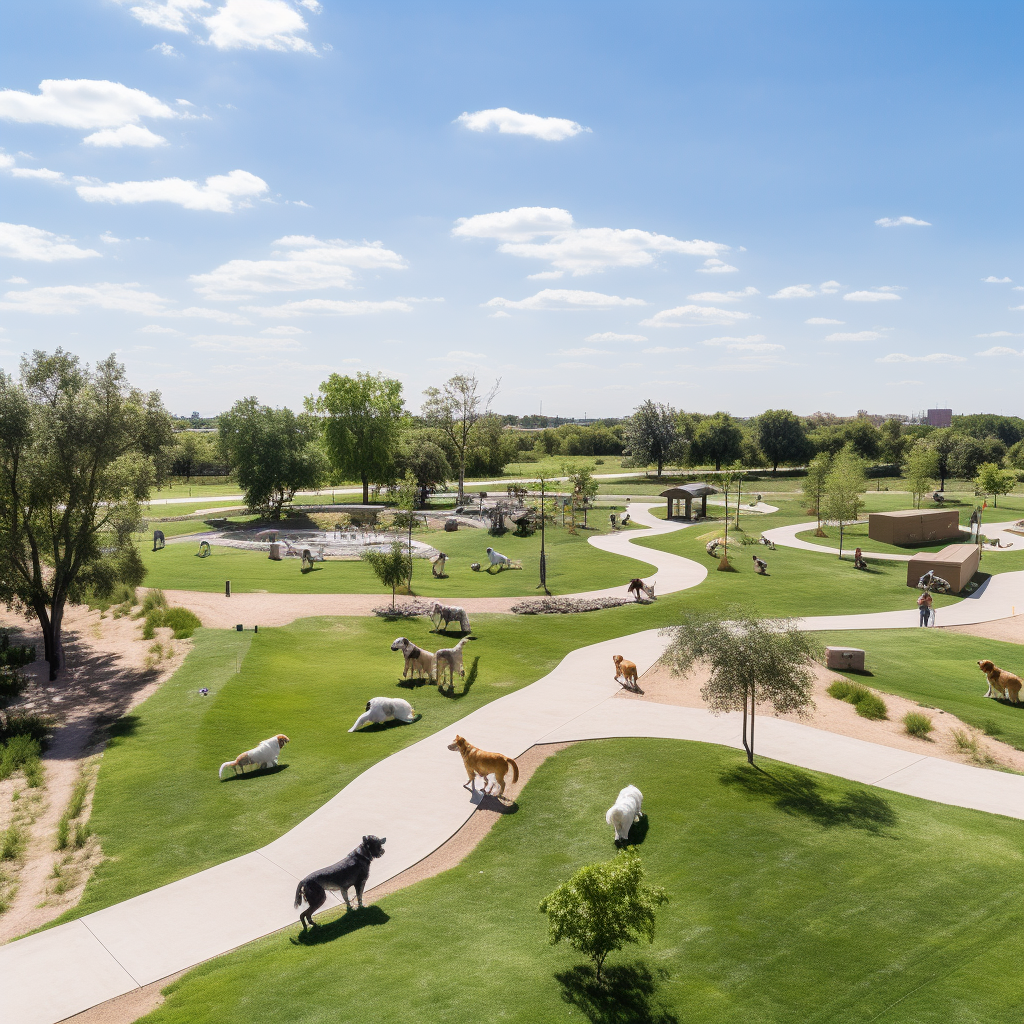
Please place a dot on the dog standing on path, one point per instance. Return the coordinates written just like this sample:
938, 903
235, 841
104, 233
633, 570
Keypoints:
484, 763
625, 673
352, 872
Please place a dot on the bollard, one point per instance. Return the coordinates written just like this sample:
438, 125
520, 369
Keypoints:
239, 627
227, 588
255, 629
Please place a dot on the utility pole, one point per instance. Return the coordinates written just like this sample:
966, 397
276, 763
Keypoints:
543, 562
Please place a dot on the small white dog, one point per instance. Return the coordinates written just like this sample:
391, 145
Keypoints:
263, 756
384, 709
627, 808
497, 558
450, 659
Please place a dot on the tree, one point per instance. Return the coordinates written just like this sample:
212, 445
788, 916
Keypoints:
892, 444
79, 452
275, 453
418, 455
781, 437
651, 434
716, 439
921, 468
749, 659
814, 485
604, 906
582, 485
491, 447
363, 426
392, 567
844, 486
967, 454
453, 409
995, 481
942, 441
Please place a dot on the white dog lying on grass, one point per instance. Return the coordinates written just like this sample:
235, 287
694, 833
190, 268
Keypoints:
626, 809
263, 756
384, 709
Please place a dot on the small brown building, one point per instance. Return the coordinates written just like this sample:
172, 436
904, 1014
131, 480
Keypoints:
686, 494
956, 564
914, 526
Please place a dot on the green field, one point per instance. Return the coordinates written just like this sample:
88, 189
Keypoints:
795, 897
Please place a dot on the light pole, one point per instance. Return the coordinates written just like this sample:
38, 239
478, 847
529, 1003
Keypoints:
543, 561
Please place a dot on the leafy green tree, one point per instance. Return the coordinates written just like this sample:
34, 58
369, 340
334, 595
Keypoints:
651, 434
863, 435
920, 469
491, 447
967, 454
604, 906
419, 455
942, 440
814, 484
781, 437
363, 426
892, 444
79, 451
716, 439
1015, 456
844, 486
275, 453
392, 567
751, 660
192, 453
995, 481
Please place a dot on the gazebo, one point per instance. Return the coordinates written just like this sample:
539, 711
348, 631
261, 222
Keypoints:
686, 493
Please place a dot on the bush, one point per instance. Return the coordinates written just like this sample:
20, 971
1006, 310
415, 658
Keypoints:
12, 842
18, 752
866, 703
965, 742
36, 726
12, 683
873, 707
183, 621
917, 724
840, 689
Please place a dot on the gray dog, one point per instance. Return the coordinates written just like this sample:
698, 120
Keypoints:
351, 872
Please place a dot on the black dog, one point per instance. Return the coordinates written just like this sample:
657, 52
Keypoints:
351, 872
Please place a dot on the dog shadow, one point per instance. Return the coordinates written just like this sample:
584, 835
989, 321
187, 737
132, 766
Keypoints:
624, 995
467, 684
347, 922
637, 833
260, 773
414, 683
795, 792
383, 726
493, 802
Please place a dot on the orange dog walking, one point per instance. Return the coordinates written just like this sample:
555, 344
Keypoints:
484, 763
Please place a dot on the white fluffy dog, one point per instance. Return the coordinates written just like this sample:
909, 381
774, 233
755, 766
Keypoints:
442, 614
497, 558
384, 709
627, 808
264, 756
450, 659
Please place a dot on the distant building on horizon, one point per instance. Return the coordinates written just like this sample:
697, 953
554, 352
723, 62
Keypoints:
940, 418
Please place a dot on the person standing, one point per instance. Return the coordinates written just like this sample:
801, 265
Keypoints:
924, 605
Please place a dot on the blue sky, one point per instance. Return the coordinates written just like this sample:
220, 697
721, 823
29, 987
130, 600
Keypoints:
727, 206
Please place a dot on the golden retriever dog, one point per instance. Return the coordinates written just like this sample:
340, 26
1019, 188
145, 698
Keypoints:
625, 673
1006, 684
484, 763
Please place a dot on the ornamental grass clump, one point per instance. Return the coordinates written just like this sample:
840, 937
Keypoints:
917, 724
867, 704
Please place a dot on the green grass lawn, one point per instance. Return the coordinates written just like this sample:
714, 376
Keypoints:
573, 566
795, 898
857, 536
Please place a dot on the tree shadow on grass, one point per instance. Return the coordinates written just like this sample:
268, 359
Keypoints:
344, 924
625, 995
260, 773
470, 680
795, 792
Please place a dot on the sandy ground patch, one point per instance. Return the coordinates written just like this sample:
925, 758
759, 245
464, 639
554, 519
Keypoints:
1010, 629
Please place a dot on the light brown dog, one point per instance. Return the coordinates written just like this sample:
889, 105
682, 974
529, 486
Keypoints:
1006, 684
484, 763
627, 671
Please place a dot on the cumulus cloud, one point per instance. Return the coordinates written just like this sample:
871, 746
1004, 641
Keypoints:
170, 15
695, 316
39, 173
565, 298
714, 266
1000, 334
723, 296
70, 298
854, 336
242, 345
511, 122
998, 350
306, 263
221, 193
166, 49
829, 287
258, 24
22, 242
991, 279
126, 135
883, 294
933, 357
607, 336
895, 222
549, 233
794, 291
546, 275
337, 307
823, 320
17, 280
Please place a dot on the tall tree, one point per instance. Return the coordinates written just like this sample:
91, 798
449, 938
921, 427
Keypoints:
995, 481
716, 439
781, 437
844, 486
921, 467
453, 408
275, 453
418, 455
942, 441
79, 451
750, 660
651, 434
814, 485
363, 426
892, 443
967, 454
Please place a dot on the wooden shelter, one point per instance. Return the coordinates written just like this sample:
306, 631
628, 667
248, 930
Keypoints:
956, 564
686, 494
914, 526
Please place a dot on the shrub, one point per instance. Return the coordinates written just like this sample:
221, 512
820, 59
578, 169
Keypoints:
840, 689
183, 621
36, 726
866, 703
154, 599
18, 752
917, 724
12, 842
873, 707
965, 742
12, 682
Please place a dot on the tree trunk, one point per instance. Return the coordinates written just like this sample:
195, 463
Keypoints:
462, 483
366, 490
840, 536
718, 464
753, 715
50, 625
750, 753
659, 465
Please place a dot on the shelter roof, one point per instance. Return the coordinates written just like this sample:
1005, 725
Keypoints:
690, 491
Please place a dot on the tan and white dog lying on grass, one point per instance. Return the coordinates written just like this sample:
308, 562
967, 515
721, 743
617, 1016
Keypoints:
263, 756
384, 709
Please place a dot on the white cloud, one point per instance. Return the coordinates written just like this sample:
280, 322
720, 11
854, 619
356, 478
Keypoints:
751, 343
695, 316
991, 279
22, 242
221, 193
723, 296
884, 294
39, 173
794, 291
565, 298
258, 24
285, 330
934, 357
126, 135
1000, 334
81, 103
998, 350
171, 15
312, 5
895, 222
241, 345
607, 336
714, 266
546, 275
578, 250
73, 298
823, 320
17, 280
6, 161
500, 315
307, 263
584, 352
157, 329
511, 122
166, 49
307, 307
109, 238
658, 350
829, 287
855, 336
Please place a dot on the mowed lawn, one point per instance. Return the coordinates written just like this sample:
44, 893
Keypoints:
573, 566
795, 897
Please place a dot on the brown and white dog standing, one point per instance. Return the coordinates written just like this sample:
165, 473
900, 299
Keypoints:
1006, 684
625, 673
484, 763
